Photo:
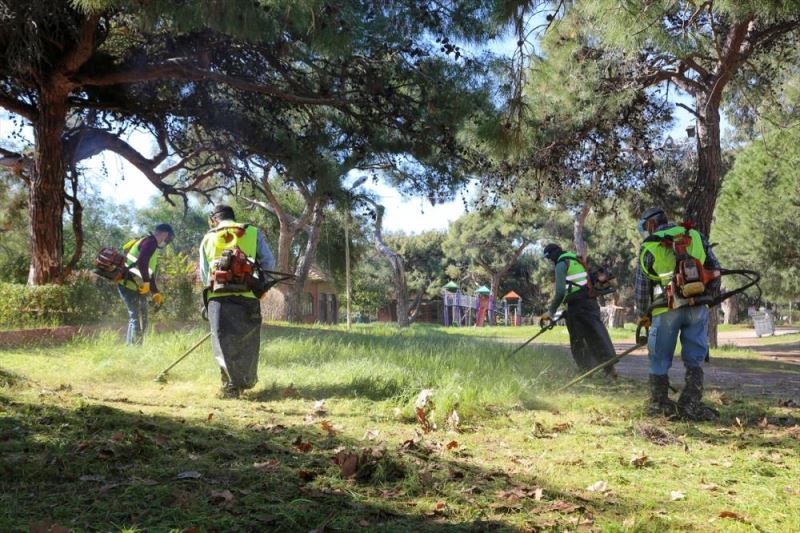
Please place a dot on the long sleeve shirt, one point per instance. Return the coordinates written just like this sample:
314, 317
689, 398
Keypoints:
561, 287
643, 286
264, 256
147, 248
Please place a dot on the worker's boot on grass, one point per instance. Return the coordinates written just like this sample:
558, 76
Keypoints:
690, 405
660, 403
228, 392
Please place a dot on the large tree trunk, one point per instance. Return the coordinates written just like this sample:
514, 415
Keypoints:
703, 197
46, 197
577, 231
398, 270
295, 294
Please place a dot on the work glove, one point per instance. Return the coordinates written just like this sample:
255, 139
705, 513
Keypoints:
644, 321
545, 319
158, 298
144, 288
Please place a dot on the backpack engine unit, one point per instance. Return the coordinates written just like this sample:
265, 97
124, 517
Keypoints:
690, 278
110, 264
234, 272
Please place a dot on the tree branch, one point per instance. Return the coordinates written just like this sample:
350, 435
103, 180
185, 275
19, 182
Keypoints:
177, 70
83, 47
19, 108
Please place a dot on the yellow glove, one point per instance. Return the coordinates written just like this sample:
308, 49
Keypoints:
545, 319
144, 288
644, 321
158, 298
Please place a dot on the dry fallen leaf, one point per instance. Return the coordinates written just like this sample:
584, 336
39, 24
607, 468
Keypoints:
371, 434
117, 437
272, 464
307, 475
454, 421
422, 418
676, 495
304, 447
452, 444
732, 516
600, 486
222, 498
710, 486
210, 416
348, 463
639, 461
290, 392
319, 408
328, 427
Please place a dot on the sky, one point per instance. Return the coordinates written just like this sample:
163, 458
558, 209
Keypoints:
127, 185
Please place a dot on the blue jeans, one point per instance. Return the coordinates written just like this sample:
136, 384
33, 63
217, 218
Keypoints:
137, 314
692, 325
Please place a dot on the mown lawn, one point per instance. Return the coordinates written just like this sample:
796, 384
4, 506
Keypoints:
89, 442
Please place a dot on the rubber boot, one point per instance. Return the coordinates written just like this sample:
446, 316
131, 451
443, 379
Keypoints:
660, 403
690, 405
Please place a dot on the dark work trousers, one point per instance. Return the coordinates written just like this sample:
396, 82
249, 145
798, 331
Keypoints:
235, 339
137, 314
588, 336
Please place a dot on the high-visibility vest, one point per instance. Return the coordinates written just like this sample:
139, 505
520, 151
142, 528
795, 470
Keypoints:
131, 251
664, 258
577, 276
226, 236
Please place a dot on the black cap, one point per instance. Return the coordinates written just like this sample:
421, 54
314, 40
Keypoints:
223, 212
165, 228
552, 251
650, 213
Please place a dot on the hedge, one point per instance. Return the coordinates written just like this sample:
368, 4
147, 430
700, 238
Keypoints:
86, 299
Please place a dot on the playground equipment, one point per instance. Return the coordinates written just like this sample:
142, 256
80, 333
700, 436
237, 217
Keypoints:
467, 310
512, 306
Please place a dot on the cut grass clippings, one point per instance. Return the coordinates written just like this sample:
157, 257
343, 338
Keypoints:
89, 442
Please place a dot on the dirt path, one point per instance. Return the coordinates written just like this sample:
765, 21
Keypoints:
774, 372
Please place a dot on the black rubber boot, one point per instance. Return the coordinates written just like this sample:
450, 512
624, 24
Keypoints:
690, 405
659, 403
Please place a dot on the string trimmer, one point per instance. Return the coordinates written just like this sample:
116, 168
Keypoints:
545, 327
753, 278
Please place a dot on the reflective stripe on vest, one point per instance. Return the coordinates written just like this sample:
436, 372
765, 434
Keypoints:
577, 277
132, 257
664, 259
227, 236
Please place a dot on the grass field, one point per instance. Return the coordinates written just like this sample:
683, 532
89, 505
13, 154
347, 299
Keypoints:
89, 442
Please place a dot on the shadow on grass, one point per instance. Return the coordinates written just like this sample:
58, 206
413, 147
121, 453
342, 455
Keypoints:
89, 466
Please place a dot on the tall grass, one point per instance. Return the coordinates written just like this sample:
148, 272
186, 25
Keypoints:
376, 362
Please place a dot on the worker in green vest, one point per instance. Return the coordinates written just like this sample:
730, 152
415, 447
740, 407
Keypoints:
139, 283
685, 317
229, 256
588, 336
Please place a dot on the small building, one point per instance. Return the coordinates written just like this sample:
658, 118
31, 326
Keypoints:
318, 304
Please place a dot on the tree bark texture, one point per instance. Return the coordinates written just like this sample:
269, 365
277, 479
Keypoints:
703, 196
46, 195
295, 294
398, 270
577, 231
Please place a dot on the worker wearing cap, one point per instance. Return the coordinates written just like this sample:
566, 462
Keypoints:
139, 282
588, 336
655, 272
234, 317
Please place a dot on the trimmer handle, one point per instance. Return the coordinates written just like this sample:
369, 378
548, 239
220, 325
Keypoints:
641, 339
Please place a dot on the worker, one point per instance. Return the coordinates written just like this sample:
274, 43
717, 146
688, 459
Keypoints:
139, 281
230, 256
670, 316
588, 337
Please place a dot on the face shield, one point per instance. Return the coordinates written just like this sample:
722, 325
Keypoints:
642, 228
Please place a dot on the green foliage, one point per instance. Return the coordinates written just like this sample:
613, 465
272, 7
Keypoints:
758, 218
177, 281
82, 301
424, 260
487, 243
